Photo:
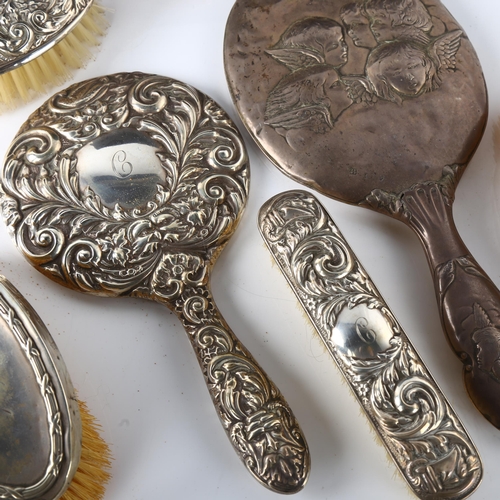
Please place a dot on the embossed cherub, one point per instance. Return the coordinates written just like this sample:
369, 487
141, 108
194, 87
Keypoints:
312, 96
399, 20
399, 70
357, 25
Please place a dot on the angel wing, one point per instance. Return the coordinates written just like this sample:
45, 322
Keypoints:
359, 90
281, 99
296, 58
444, 49
297, 105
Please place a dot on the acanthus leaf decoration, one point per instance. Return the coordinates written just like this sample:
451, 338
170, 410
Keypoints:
406, 407
199, 152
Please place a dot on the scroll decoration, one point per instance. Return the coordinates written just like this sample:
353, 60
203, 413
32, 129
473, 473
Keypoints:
73, 234
401, 399
25, 26
251, 408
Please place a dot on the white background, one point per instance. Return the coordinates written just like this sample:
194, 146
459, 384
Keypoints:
132, 363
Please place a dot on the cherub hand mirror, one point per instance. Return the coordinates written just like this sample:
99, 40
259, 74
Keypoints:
382, 104
130, 185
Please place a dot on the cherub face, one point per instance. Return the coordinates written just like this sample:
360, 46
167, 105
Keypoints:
358, 28
405, 74
336, 48
486, 356
381, 26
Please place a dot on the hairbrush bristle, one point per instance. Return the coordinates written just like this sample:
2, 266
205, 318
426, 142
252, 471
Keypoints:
54, 66
93, 473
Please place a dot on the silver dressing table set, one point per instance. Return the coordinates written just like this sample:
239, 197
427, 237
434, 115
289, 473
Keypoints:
131, 181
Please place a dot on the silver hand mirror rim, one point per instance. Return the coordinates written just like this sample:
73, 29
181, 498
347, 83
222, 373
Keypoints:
327, 124
131, 184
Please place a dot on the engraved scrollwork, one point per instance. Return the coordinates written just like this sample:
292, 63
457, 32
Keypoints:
411, 415
177, 271
197, 185
38, 148
318, 259
26, 26
147, 97
46, 242
259, 424
332, 261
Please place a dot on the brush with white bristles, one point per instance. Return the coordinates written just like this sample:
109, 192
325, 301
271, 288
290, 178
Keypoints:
45, 59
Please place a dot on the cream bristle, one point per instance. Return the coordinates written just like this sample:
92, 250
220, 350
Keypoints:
57, 67
43, 66
92, 475
4, 87
51, 68
68, 52
87, 35
21, 83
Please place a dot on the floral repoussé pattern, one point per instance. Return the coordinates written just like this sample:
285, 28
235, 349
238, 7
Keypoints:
159, 244
417, 425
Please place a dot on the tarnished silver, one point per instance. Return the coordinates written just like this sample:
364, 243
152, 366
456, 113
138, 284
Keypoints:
131, 184
27, 29
40, 428
382, 104
417, 425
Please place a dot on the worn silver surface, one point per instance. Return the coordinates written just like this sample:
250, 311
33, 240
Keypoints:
412, 417
27, 28
40, 429
347, 97
131, 184
379, 103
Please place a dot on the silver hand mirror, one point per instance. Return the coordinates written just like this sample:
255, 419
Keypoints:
130, 185
382, 104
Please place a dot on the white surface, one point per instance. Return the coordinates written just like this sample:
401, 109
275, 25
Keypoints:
130, 359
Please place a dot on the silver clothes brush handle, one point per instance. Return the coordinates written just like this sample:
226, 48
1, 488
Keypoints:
40, 427
412, 417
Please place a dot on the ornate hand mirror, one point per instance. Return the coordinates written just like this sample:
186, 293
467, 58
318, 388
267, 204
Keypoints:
382, 104
130, 185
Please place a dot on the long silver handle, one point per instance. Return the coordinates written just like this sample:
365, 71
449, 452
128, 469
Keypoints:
258, 421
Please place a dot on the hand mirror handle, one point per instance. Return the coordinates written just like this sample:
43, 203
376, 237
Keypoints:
468, 301
256, 417
130, 185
